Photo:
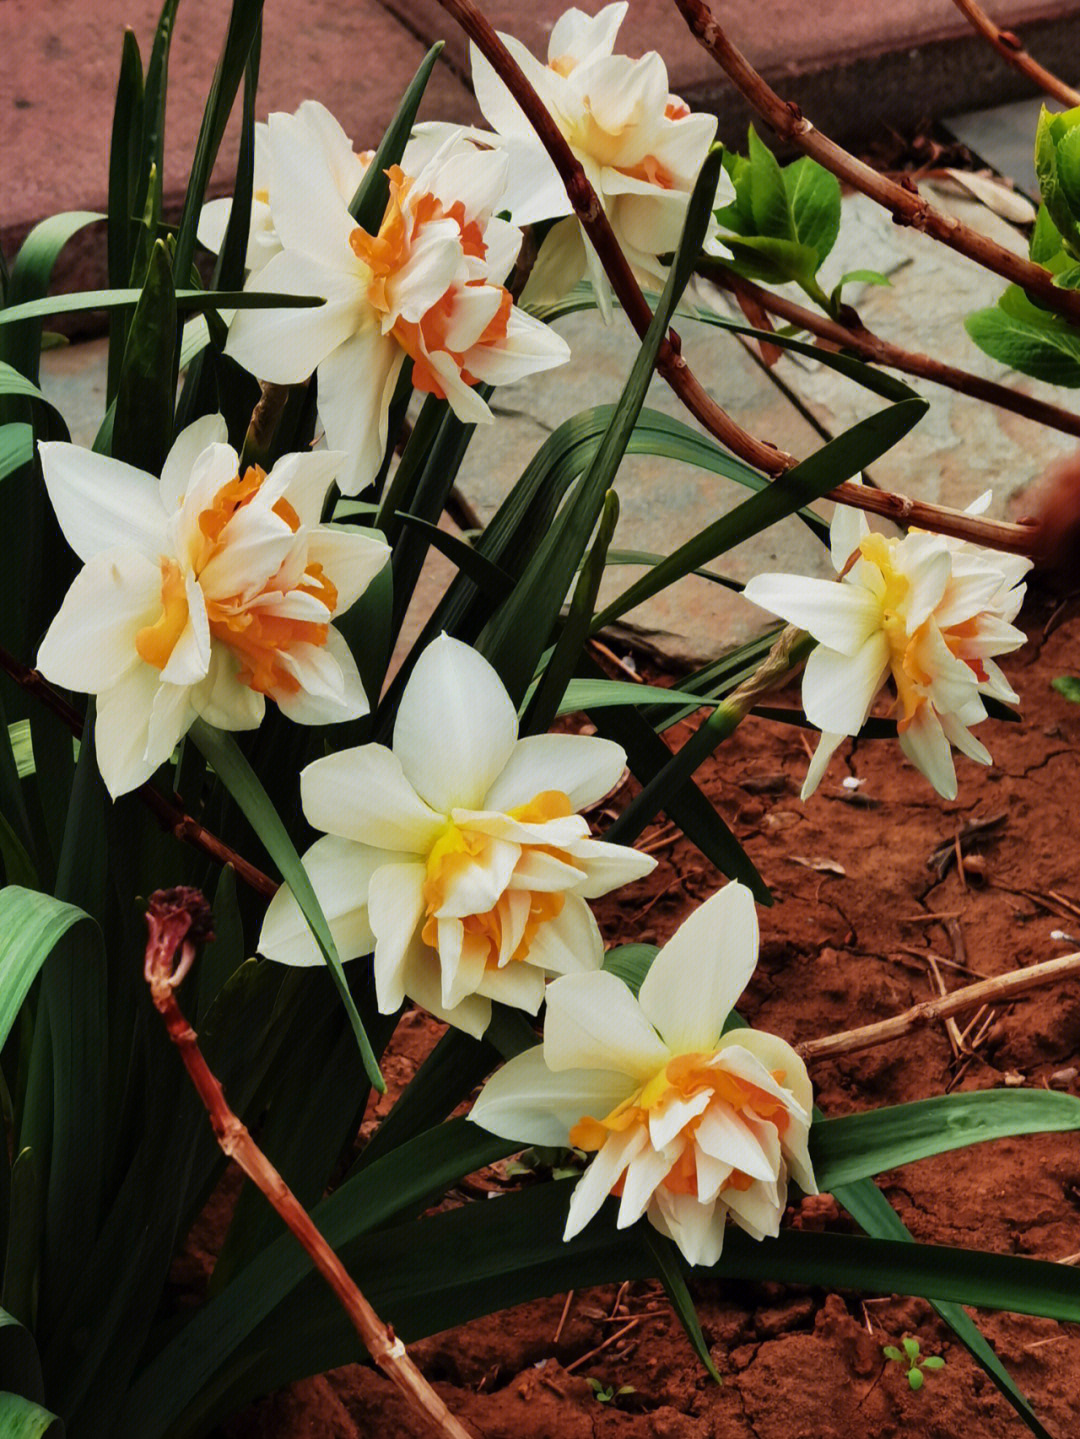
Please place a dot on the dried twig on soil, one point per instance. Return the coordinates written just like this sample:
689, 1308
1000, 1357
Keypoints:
903, 200
178, 921
1003, 987
170, 812
996, 534
855, 337
611, 1339
562, 1318
952, 1029
1009, 47
946, 853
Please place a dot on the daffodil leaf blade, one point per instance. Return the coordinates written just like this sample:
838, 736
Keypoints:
870, 1209
631, 963
858, 1146
245, 17
670, 1267
125, 167
20, 1364
518, 633
838, 460
556, 674
28, 282
21, 1418
510, 1250
231, 765
33, 925
486, 575
16, 447
368, 205
589, 694
142, 430
186, 301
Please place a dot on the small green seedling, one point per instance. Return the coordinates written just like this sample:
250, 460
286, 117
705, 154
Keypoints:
909, 1356
607, 1393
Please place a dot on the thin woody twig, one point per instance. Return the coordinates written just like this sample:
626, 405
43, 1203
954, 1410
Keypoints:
1002, 988
902, 200
1015, 539
178, 921
1009, 47
170, 813
863, 342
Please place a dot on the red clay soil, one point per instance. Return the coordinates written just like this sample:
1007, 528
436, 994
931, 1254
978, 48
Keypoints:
858, 908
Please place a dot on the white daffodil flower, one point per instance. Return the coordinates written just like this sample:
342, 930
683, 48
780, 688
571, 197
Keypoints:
929, 611
428, 285
686, 1125
641, 149
201, 593
458, 855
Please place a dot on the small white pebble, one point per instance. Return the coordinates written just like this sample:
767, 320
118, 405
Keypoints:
1012, 1079
852, 783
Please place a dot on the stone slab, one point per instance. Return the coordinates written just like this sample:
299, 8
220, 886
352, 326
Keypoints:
1003, 137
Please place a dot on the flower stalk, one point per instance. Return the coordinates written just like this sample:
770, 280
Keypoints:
178, 921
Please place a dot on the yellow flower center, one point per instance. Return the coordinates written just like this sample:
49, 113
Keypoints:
385, 253
686, 1075
458, 848
256, 637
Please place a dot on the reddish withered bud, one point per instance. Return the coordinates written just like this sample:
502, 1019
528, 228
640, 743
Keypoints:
177, 920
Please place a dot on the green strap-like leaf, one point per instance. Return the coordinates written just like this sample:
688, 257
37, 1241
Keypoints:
857, 1146
369, 203
186, 300
23, 1419
670, 1266
29, 280
142, 430
16, 447
20, 1367
241, 781
32, 925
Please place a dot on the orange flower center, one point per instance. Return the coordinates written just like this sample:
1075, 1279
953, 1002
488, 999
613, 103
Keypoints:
385, 253
686, 1075
458, 848
257, 637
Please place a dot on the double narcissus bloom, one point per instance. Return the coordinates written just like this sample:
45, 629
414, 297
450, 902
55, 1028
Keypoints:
641, 149
459, 855
429, 285
928, 611
685, 1124
202, 593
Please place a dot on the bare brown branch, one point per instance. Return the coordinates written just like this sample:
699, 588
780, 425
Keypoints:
1010, 48
1002, 988
869, 346
177, 920
901, 199
670, 363
170, 813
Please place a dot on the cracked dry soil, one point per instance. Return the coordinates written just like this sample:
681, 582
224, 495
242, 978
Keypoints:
838, 950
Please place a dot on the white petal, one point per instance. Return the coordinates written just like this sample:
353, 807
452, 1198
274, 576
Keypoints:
841, 616
727, 1137
456, 726
180, 461
101, 503
310, 215
171, 716
962, 739
826, 748
839, 689
577, 36
362, 794
694, 982
222, 699
422, 984
190, 658
607, 866
924, 743
350, 559
91, 642
121, 727
697, 1228
926, 561
304, 478
643, 1174
331, 690
395, 909
475, 888
356, 384
340, 873
755, 1210
524, 1100
285, 346
848, 527
521, 986
528, 347
594, 1022
597, 1182
671, 1116
570, 943
559, 266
